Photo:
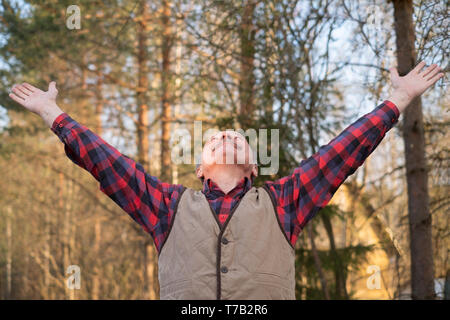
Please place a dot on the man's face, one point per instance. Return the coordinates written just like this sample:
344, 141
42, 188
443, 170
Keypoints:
227, 148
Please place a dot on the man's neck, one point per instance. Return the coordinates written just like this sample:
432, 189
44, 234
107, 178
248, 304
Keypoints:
227, 177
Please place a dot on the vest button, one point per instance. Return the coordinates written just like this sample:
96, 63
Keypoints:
224, 269
225, 241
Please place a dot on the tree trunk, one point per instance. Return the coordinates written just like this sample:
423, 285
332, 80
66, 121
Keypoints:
97, 223
141, 91
166, 110
46, 248
148, 251
422, 270
8, 252
177, 103
151, 285
246, 76
318, 263
376, 224
339, 270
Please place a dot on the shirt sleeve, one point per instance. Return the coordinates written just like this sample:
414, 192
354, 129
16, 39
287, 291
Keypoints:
310, 187
147, 200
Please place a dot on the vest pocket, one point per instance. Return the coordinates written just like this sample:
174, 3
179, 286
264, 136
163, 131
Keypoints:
178, 289
274, 280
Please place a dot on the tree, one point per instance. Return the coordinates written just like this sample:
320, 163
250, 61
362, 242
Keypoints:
422, 268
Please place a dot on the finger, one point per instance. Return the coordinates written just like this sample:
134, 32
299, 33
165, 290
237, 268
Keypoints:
433, 73
25, 90
16, 98
19, 93
428, 70
29, 87
419, 67
436, 78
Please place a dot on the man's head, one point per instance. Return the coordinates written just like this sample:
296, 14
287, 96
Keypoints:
227, 151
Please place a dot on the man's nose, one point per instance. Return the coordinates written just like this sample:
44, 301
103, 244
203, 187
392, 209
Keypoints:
226, 135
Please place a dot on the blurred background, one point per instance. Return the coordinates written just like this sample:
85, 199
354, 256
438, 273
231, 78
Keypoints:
134, 71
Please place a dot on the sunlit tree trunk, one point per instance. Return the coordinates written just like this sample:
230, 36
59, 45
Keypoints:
166, 95
8, 252
141, 91
148, 250
47, 230
177, 90
97, 224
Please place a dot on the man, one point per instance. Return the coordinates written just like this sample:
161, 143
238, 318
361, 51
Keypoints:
230, 240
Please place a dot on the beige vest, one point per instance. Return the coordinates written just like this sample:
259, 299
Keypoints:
248, 258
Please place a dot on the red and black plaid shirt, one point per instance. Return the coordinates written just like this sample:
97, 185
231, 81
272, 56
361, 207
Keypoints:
298, 196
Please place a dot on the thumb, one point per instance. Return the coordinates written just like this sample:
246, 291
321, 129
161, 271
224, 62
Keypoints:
52, 87
394, 74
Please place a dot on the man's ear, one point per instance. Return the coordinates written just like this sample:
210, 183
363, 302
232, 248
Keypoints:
255, 170
199, 171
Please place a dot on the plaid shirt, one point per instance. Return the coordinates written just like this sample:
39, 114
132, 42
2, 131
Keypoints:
298, 196
222, 203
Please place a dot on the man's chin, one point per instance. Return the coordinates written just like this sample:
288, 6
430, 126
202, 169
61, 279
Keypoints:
227, 159
223, 164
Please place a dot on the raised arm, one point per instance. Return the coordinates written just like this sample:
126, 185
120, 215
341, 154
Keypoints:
311, 186
147, 200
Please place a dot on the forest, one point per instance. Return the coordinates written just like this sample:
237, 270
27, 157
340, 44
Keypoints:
137, 71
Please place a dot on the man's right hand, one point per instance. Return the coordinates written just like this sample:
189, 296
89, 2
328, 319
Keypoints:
43, 103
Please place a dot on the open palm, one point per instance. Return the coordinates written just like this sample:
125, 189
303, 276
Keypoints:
416, 81
32, 98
